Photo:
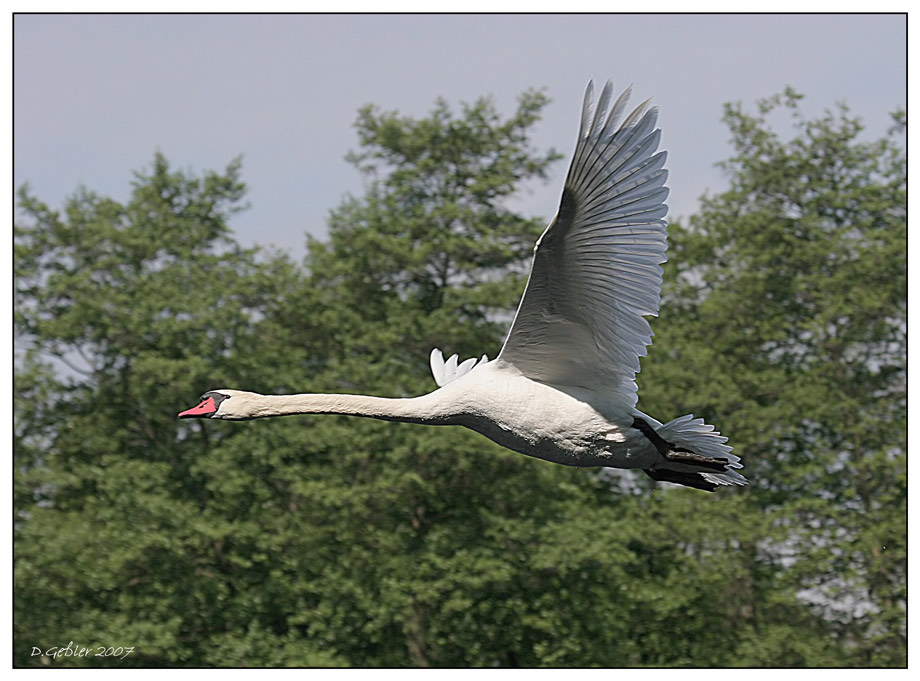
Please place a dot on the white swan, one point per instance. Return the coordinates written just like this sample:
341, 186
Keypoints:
563, 386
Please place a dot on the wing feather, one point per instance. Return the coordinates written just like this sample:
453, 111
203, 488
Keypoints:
446, 372
596, 270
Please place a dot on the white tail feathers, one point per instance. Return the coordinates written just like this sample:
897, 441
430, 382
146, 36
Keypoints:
445, 372
702, 438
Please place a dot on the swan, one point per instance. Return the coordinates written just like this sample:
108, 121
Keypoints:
562, 387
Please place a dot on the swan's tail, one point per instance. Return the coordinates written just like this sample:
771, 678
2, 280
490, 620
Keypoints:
697, 457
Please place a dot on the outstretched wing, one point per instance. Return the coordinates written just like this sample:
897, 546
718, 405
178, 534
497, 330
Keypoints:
596, 269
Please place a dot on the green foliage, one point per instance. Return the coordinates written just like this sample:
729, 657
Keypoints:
431, 255
331, 541
786, 301
118, 534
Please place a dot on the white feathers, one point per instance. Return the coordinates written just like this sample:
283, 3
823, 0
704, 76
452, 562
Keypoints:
596, 270
706, 440
702, 438
729, 477
596, 274
445, 372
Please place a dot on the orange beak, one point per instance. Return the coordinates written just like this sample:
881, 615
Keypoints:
205, 409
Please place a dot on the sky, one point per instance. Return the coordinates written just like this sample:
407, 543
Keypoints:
96, 96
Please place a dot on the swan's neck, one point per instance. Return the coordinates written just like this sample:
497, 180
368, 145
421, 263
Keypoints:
423, 409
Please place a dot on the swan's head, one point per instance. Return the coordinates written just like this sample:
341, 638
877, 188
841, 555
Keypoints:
222, 404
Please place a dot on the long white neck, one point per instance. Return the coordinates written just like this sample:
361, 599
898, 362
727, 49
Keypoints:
423, 409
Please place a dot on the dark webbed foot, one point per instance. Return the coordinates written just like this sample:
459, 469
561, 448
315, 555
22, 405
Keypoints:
694, 480
678, 454
686, 456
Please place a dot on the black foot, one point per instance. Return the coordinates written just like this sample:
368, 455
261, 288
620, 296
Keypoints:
694, 480
676, 454
686, 456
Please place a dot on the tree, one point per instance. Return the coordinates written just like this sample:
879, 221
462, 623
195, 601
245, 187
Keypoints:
430, 534
789, 289
432, 241
124, 311
334, 541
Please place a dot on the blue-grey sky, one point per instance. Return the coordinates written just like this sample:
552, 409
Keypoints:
96, 95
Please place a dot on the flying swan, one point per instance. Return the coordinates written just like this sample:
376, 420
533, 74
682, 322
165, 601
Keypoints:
563, 385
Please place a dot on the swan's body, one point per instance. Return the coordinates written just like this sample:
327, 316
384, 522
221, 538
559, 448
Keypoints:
495, 400
563, 386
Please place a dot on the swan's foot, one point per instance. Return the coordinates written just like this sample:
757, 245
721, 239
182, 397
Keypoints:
694, 480
675, 454
686, 456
